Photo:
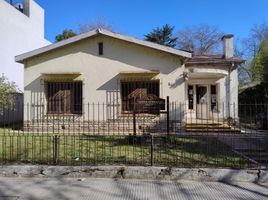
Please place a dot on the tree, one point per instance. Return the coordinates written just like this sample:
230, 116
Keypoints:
244, 69
259, 67
83, 28
201, 39
6, 88
244, 72
163, 36
67, 33
98, 24
252, 43
252, 48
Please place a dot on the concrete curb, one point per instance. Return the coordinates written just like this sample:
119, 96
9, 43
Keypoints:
129, 172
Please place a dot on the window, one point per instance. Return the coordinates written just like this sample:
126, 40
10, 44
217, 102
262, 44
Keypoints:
100, 45
139, 90
64, 97
201, 94
190, 97
213, 92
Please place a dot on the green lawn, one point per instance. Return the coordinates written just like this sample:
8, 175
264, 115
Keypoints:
180, 151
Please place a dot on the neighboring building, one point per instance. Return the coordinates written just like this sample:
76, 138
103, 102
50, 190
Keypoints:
102, 66
21, 30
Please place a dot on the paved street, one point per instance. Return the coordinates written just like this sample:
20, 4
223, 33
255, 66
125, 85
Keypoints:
42, 188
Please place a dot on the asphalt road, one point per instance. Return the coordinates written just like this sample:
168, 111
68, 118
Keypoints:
97, 189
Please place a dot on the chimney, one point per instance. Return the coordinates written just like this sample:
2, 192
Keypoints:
228, 46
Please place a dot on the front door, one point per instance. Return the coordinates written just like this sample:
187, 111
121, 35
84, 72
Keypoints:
201, 102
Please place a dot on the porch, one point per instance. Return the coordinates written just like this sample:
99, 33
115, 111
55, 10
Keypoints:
211, 94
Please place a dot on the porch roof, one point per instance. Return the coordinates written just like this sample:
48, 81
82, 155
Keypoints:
206, 72
212, 59
206, 75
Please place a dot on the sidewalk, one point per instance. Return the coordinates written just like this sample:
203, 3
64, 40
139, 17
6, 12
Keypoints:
89, 188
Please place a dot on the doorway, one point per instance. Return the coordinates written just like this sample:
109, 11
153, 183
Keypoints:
202, 101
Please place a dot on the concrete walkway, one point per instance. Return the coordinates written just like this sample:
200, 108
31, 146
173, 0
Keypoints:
70, 188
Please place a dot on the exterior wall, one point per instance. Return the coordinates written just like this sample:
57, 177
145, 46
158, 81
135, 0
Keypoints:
229, 94
234, 93
19, 34
100, 74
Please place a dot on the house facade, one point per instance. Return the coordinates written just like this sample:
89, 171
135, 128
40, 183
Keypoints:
106, 67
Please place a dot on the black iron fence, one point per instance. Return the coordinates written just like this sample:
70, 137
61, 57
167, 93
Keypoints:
231, 136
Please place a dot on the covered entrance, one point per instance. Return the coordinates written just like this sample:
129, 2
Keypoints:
202, 100
203, 92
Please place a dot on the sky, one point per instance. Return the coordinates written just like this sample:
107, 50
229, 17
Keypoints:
139, 17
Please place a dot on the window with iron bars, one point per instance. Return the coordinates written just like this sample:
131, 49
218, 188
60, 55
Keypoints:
64, 97
143, 94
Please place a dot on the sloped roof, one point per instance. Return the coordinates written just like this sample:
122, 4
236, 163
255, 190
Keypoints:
25, 56
213, 58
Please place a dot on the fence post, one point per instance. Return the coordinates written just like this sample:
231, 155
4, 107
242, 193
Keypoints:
134, 117
267, 116
168, 115
56, 149
152, 149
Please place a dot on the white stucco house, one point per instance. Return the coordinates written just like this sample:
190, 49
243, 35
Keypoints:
103, 66
21, 30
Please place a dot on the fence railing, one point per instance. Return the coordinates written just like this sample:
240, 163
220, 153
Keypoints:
153, 134
175, 150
